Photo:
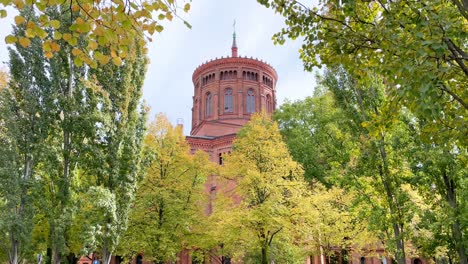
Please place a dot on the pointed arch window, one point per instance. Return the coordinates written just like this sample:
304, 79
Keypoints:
208, 104
228, 101
269, 105
250, 101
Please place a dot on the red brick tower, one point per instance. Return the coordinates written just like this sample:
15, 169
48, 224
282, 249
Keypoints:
227, 91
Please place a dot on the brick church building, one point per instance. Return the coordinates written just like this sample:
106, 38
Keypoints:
226, 92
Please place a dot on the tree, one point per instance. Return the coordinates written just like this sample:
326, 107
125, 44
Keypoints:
115, 26
361, 157
116, 157
271, 191
418, 48
440, 169
317, 136
71, 116
3, 79
170, 198
24, 118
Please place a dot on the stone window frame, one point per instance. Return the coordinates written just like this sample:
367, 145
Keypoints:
269, 104
250, 101
208, 104
229, 100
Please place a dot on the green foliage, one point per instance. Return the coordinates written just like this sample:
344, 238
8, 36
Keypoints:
266, 222
317, 137
70, 132
24, 129
356, 148
418, 48
169, 202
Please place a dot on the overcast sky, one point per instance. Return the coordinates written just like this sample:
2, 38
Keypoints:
177, 51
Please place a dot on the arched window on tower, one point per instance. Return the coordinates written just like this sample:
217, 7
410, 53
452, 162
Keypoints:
250, 101
208, 104
269, 105
228, 101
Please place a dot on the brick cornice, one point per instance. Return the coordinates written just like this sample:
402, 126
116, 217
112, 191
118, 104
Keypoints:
210, 143
234, 62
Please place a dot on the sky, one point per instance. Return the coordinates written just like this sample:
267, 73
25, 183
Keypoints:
176, 52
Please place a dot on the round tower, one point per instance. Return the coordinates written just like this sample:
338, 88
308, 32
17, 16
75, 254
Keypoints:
228, 90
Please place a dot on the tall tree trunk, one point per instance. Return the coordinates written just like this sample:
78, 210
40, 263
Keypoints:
72, 259
396, 221
457, 234
13, 254
264, 254
106, 255
64, 186
56, 258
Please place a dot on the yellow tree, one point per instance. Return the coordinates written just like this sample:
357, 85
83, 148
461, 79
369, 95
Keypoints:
270, 215
3, 79
169, 201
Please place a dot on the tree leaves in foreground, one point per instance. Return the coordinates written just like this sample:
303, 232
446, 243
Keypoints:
113, 26
418, 48
170, 199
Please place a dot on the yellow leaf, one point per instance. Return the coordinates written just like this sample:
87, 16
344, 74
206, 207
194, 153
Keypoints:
55, 24
75, 8
117, 61
113, 54
92, 45
55, 47
104, 60
186, 7
10, 39
29, 33
169, 16
19, 20
41, 33
48, 54
123, 54
57, 35
77, 61
159, 28
24, 42
79, 21
19, 4
76, 52
30, 24
46, 46
67, 36
3, 13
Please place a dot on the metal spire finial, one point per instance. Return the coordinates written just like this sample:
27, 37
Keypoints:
234, 44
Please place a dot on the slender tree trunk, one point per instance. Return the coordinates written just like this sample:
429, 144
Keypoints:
264, 254
396, 222
106, 255
457, 234
72, 259
13, 254
56, 258
64, 186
